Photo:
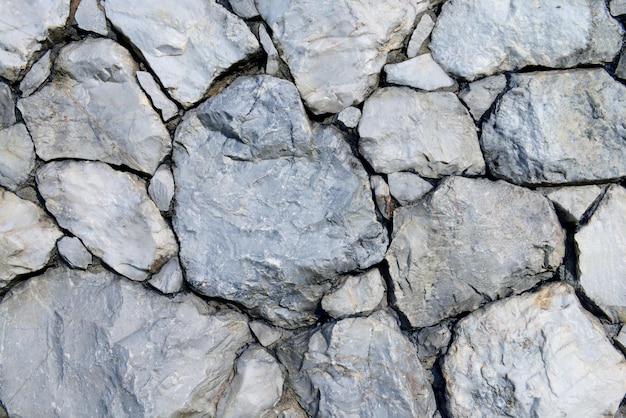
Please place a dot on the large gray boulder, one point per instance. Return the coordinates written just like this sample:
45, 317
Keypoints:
269, 210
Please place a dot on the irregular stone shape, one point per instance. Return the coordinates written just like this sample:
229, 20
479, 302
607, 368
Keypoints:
110, 212
620, 71
161, 188
407, 188
620, 339
74, 253
433, 341
167, 108
37, 75
90, 17
355, 295
349, 117
268, 210
558, 127
78, 114
480, 95
256, 387
420, 34
169, 279
7, 107
421, 72
469, 242
17, 156
431, 133
244, 8
601, 246
617, 7
521, 33
572, 201
273, 60
92, 344
266, 334
381, 196
535, 355
24, 26
288, 407
27, 237
186, 46
345, 38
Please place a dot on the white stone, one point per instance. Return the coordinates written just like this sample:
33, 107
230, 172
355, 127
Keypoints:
37, 75
407, 188
90, 17
355, 295
72, 250
266, 334
618, 7
480, 95
421, 72
17, 156
161, 188
169, 279
381, 195
167, 108
244, 8
573, 201
273, 60
7, 106
420, 34
349, 117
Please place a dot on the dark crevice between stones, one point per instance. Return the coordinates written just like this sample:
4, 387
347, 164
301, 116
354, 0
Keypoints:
439, 387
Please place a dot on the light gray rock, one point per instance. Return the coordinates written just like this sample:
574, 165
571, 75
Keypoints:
521, 33
620, 71
7, 107
90, 16
573, 201
167, 108
78, 114
469, 242
17, 156
421, 72
169, 279
266, 334
601, 247
161, 188
78, 344
558, 127
535, 355
110, 212
433, 341
27, 237
431, 133
269, 210
407, 188
74, 253
24, 26
420, 34
186, 46
273, 59
349, 117
617, 7
37, 75
355, 295
288, 407
381, 196
244, 8
480, 95
345, 38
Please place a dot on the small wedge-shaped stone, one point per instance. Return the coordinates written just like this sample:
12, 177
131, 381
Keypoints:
535, 355
38, 73
469, 242
17, 156
74, 253
480, 95
421, 72
355, 295
110, 212
95, 110
558, 127
90, 16
572, 201
7, 106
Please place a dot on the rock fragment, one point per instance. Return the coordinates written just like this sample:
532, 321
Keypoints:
620, 71
7, 107
244, 8
572, 201
355, 295
74, 253
480, 95
420, 34
90, 17
421, 72
381, 195
266, 334
37, 75
273, 60
617, 7
17, 156
169, 279
349, 117
432, 342
161, 188
407, 188
167, 108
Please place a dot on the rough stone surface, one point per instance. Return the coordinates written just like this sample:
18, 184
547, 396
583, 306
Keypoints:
272, 65
37, 75
169, 279
167, 108
474, 38
539, 354
572, 201
93, 344
431, 133
469, 242
407, 188
601, 246
7, 106
186, 46
617, 7
349, 117
381, 195
620, 71
266, 334
317, 221
161, 188
110, 212
78, 114
345, 38
421, 72
74, 253
620, 339
433, 341
355, 295
420, 34
90, 17
244, 8
480, 95
17, 156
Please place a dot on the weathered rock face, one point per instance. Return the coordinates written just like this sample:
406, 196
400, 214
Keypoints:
407, 188
572, 201
421, 72
480, 95
37, 75
112, 348
558, 127
74, 253
469, 242
539, 354
110, 212
17, 156
7, 107
269, 210
353, 47
474, 38
355, 295
90, 16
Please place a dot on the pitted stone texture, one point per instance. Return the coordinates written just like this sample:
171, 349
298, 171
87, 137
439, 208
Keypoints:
421, 72
110, 212
356, 294
186, 46
475, 38
268, 210
95, 110
572, 201
37, 75
558, 127
90, 16
169, 279
7, 107
74, 253
535, 355
469, 242
407, 188
17, 156
93, 344
335, 50
480, 95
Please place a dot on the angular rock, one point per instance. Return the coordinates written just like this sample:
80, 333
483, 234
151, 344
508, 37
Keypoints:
381, 196
420, 34
620, 71
572, 201
431, 133
617, 7
110, 212
266, 334
78, 114
407, 188
273, 60
601, 246
74, 253
558, 127
169, 279
90, 17
186, 46
37, 75
269, 210
355, 295
288, 407
7, 107
433, 341
161, 188
535, 355
167, 108
469, 242
27, 237
349, 117
421, 72
17, 156
92, 344
620, 339
480, 95
244, 8
23, 28
521, 33
345, 38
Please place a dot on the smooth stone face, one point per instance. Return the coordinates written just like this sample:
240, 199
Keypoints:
349, 117
244, 8
187, 46
469, 242
535, 355
617, 7
159, 99
431, 133
93, 344
407, 188
480, 95
601, 247
421, 72
269, 211
266, 334
78, 114
17, 156
573, 201
521, 33
90, 17
24, 26
27, 237
7, 107
74, 253
37, 75
273, 60
169, 279
381, 195
355, 295
110, 212
353, 49
161, 188
419, 36
558, 127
